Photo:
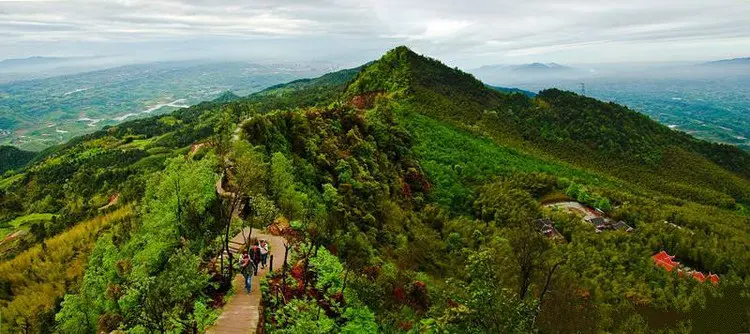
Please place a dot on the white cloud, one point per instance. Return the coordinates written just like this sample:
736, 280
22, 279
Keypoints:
466, 32
439, 29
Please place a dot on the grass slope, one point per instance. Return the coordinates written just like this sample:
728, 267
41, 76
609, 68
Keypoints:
603, 137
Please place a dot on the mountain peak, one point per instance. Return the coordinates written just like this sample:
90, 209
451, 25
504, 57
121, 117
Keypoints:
401, 68
540, 67
403, 72
402, 50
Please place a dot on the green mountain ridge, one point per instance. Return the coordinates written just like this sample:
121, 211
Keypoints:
602, 136
514, 90
409, 188
225, 97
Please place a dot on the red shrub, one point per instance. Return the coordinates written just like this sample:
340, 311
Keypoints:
109, 322
338, 297
405, 325
334, 249
372, 272
418, 296
405, 189
298, 271
217, 301
399, 294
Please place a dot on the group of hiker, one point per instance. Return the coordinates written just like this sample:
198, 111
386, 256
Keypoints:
252, 259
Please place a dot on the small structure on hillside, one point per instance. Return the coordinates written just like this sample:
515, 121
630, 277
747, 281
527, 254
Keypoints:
593, 216
622, 226
606, 224
546, 227
597, 221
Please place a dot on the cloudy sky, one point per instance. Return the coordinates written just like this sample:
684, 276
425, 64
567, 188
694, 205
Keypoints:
465, 33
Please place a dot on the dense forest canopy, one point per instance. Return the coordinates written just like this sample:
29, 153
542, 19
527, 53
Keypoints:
409, 195
12, 158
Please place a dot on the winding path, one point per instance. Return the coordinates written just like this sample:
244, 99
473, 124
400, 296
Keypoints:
243, 312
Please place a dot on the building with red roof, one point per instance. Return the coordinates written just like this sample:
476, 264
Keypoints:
666, 261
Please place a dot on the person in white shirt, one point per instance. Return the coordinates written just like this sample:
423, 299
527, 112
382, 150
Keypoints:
264, 247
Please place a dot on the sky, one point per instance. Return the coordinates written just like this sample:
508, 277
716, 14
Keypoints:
465, 33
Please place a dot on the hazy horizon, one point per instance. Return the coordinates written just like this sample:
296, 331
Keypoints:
468, 35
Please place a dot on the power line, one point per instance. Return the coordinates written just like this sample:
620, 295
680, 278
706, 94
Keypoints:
583, 88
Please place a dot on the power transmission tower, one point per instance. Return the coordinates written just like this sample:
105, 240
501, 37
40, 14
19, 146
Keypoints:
583, 88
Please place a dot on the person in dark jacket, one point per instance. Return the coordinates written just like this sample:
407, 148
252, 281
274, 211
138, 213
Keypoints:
255, 257
247, 268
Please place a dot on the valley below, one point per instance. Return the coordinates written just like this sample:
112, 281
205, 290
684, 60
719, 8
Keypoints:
39, 113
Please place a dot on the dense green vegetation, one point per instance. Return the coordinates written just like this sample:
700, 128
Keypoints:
708, 101
34, 282
148, 276
12, 158
710, 104
409, 189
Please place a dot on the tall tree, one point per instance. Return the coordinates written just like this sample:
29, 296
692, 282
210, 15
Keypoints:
291, 202
529, 252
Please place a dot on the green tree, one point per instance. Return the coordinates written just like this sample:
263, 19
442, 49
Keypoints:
486, 305
290, 201
506, 205
530, 251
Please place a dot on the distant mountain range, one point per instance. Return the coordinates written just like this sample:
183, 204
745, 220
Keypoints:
508, 74
36, 60
38, 67
555, 70
532, 67
730, 62
49, 63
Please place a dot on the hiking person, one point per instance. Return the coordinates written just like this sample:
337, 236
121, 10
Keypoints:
246, 267
263, 252
255, 257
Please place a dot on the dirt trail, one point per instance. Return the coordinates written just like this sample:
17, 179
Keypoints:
243, 314
113, 199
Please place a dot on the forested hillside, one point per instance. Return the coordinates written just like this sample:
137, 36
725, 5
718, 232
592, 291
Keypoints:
707, 101
409, 195
12, 158
597, 135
